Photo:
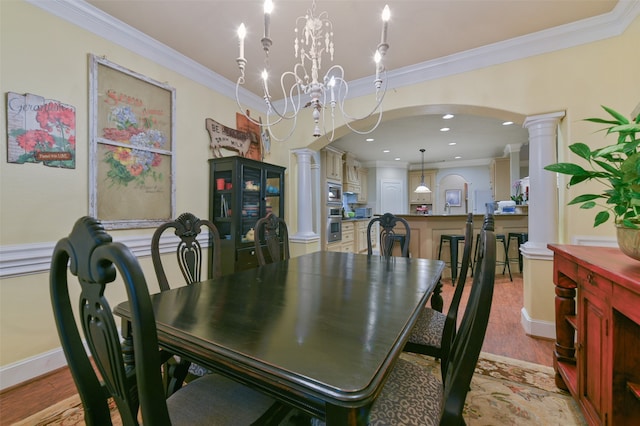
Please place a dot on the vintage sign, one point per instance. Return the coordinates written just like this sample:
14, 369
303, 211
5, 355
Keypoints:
40, 130
225, 137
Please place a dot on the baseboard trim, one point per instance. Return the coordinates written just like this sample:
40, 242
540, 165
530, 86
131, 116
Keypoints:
537, 328
30, 368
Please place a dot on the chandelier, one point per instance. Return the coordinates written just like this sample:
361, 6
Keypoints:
303, 87
422, 188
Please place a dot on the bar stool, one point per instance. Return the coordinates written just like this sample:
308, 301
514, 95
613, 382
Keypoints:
521, 237
453, 240
505, 263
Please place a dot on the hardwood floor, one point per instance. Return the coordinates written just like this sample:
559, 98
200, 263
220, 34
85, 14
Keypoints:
504, 337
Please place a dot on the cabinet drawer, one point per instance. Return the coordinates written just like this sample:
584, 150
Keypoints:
348, 237
590, 281
347, 227
246, 259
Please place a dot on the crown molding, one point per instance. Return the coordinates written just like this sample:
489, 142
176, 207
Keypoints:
588, 30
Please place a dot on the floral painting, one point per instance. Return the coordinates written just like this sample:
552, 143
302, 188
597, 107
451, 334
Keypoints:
132, 152
133, 165
40, 130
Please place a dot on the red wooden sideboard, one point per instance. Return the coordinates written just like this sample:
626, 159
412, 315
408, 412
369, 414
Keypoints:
597, 351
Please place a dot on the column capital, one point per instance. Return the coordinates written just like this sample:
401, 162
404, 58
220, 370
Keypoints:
551, 117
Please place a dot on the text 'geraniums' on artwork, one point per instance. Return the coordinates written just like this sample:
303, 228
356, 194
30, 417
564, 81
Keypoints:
40, 130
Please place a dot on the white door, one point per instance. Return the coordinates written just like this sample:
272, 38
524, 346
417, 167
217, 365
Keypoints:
391, 197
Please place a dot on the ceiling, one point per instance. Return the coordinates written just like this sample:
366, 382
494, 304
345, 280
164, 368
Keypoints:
419, 31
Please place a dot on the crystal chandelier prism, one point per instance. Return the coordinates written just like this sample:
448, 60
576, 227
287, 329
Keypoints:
303, 87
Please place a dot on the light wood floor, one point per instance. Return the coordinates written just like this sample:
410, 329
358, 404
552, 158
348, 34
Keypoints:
504, 337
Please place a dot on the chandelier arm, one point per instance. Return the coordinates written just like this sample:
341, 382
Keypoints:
366, 132
273, 135
242, 108
379, 101
295, 106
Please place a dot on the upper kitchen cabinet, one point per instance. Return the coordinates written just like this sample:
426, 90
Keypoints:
499, 173
332, 164
241, 192
363, 175
351, 182
415, 178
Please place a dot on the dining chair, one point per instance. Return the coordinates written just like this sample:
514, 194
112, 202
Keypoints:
189, 256
129, 372
434, 331
435, 399
388, 235
271, 232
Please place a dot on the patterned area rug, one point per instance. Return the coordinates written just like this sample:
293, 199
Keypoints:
504, 391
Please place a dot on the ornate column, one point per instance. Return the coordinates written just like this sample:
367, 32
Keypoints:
543, 200
305, 201
537, 314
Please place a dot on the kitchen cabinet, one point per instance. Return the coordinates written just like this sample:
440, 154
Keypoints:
332, 160
351, 180
415, 178
348, 236
500, 179
361, 236
241, 192
596, 354
363, 175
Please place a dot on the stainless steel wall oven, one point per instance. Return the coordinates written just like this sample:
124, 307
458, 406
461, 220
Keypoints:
334, 223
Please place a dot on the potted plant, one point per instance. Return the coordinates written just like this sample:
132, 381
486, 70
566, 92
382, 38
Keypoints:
617, 167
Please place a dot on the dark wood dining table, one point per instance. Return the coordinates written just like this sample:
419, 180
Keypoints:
320, 332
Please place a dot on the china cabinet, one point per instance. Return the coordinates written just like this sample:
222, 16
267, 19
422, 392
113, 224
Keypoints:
597, 355
241, 192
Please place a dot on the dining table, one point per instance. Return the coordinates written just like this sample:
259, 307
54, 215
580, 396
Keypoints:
320, 332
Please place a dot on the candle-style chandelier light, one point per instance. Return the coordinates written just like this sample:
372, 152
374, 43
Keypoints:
303, 88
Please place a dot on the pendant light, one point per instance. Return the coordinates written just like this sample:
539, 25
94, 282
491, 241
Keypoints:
422, 188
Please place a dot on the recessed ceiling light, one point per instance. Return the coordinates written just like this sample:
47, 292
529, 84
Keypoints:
451, 143
397, 158
457, 157
445, 129
369, 139
507, 123
386, 151
447, 116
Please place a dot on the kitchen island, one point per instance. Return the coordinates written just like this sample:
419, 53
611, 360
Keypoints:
427, 229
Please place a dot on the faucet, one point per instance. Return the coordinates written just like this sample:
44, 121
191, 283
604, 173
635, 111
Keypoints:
447, 208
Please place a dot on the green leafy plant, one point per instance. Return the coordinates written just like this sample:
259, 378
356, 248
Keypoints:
616, 166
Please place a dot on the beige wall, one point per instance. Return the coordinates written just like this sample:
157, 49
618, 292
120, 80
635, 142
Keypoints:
49, 57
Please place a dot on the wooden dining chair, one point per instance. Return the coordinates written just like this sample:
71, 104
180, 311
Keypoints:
388, 235
189, 256
434, 332
271, 232
129, 372
435, 399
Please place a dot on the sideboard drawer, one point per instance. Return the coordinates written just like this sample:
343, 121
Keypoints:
590, 281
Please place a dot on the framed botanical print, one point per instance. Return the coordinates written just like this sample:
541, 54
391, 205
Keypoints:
132, 147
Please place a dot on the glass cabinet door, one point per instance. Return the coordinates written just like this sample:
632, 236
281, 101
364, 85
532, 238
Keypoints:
250, 200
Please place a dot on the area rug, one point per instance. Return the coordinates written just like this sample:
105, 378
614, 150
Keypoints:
504, 391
